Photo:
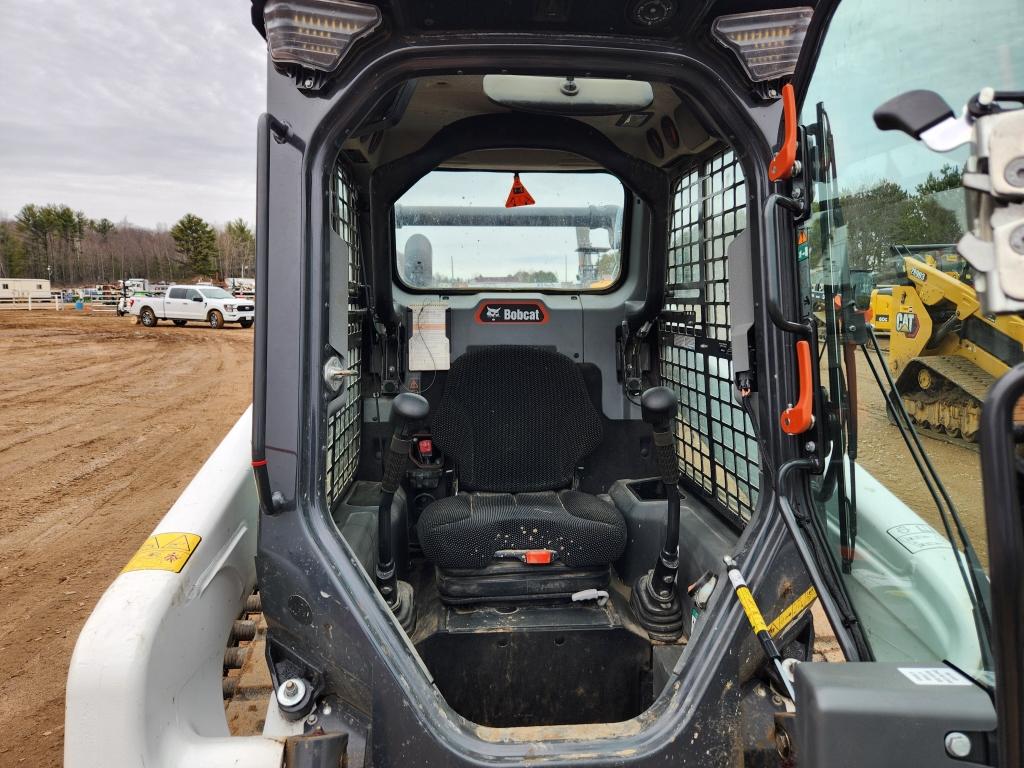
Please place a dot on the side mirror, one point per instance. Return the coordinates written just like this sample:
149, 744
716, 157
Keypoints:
197, 298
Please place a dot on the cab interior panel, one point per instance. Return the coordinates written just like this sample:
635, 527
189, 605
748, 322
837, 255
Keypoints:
526, 496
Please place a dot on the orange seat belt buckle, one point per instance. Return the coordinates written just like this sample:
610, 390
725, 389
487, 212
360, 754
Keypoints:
782, 164
799, 418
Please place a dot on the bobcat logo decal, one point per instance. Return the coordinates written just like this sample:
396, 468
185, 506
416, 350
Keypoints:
509, 312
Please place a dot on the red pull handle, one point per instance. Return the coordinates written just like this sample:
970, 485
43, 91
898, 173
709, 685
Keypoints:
799, 418
782, 164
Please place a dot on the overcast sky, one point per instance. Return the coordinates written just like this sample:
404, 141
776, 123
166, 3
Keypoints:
130, 110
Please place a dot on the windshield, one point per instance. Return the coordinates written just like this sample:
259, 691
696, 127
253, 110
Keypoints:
900, 502
454, 231
215, 293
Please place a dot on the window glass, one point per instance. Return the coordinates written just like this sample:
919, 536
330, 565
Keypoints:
192, 294
888, 213
215, 293
453, 231
176, 293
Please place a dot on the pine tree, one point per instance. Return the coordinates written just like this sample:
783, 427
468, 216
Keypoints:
196, 243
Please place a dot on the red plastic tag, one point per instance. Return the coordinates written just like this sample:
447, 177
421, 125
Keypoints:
518, 196
426, 447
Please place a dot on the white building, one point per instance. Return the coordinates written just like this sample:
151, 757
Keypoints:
23, 288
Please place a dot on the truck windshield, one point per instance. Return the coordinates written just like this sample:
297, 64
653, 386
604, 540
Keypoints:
215, 293
454, 231
905, 525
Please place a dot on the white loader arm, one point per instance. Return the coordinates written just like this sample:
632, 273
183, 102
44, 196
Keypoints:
144, 686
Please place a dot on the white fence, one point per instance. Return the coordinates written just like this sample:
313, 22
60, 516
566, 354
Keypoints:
54, 300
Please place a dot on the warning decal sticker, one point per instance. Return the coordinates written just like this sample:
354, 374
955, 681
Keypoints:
785, 618
933, 676
164, 552
917, 537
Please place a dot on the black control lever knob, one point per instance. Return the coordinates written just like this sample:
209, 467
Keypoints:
658, 405
407, 409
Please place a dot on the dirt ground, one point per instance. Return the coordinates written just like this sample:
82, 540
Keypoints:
102, 424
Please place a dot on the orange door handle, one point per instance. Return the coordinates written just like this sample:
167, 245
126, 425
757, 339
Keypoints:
799, 418
782, 164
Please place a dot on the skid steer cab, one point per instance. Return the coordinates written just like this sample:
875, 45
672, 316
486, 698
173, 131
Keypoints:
571, 438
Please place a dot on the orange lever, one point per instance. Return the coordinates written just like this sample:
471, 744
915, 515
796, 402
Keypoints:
782, 164
798, 418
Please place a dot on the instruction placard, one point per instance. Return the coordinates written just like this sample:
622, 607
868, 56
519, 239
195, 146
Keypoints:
933, 676
429, 348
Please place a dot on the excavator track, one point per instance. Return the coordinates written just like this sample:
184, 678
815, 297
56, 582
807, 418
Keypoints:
943, 396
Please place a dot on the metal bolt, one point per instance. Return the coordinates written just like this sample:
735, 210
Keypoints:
307, 83
326, 709
798, 194
311, 720
958, 744
1017, 239
290, 692
810, 446
1014, 172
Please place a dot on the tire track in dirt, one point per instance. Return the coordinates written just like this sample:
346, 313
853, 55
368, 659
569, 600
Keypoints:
104, 423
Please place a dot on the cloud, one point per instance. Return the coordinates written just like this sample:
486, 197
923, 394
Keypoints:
126, 110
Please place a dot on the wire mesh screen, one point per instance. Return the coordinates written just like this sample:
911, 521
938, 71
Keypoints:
344, 418
714, 438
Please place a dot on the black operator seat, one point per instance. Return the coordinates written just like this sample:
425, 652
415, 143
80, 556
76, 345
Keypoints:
517, 421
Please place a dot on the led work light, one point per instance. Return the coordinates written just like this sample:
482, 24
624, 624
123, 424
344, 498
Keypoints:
767, 43
316, 33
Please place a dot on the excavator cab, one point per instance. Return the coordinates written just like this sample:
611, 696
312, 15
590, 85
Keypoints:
558, 450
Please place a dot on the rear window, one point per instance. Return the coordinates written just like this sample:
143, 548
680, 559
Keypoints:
176, 293
454, 232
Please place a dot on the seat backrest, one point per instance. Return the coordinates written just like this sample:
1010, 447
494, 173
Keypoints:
515, 418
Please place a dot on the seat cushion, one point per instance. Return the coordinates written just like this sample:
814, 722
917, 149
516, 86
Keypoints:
466, 530
515, 418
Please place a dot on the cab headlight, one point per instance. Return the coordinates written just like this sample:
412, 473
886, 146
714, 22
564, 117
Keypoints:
316, 33
229, 307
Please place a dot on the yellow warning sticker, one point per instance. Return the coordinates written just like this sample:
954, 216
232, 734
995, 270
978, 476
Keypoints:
750, 608
795, 609
164, 552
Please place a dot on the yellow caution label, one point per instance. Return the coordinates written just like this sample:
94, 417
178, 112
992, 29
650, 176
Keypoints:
164, 552
795, 608
750, 608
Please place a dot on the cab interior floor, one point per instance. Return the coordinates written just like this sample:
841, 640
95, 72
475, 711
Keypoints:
510, 665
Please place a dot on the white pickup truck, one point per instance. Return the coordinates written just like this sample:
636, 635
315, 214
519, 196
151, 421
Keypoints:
200, 303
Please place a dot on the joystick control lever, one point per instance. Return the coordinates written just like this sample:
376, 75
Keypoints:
407, 410
655, 597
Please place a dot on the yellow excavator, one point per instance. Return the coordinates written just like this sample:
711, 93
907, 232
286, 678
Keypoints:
944, 352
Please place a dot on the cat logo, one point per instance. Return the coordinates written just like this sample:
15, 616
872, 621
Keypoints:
907, 324
502, 312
